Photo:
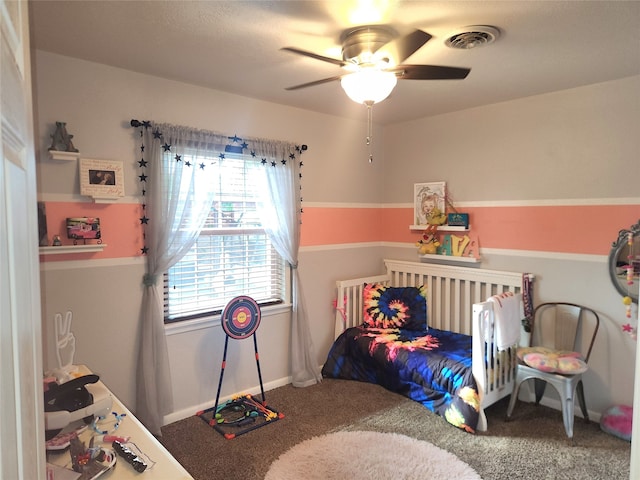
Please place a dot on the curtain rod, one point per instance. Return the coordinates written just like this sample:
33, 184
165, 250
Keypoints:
146, 123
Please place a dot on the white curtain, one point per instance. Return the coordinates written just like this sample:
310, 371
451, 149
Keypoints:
281, 210
177, 200
177, 195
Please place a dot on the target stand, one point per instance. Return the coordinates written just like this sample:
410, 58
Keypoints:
240, 320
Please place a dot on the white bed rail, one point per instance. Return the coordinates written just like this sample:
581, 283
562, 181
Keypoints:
493, 369
456, 301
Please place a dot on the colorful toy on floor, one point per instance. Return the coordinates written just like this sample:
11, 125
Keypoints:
240, 320
617, 421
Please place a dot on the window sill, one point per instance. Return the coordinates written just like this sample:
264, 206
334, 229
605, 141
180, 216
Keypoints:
214, 320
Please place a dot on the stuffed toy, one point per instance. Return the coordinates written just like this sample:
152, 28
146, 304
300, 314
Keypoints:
436, 217
429, 243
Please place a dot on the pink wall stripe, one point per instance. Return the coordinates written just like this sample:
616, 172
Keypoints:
119, 223
326, 226
565, 229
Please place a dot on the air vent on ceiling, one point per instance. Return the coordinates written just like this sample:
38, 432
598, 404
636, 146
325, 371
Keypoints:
473, 36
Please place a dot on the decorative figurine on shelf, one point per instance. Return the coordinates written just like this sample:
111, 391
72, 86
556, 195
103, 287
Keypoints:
436, 217
429, 243
61, 140
57, 242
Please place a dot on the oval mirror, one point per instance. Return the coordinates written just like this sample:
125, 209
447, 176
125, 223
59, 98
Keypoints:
624, 262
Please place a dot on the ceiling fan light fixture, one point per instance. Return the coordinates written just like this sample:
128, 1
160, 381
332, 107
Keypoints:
368, 85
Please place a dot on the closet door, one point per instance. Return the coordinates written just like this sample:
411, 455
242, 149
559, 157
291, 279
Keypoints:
22, 454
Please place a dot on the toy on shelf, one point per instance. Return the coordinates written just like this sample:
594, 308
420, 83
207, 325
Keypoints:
429, 243
61, 140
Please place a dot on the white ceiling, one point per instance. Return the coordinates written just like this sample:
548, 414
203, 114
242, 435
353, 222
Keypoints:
234, 46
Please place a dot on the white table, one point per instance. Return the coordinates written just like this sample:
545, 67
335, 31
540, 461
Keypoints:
165, 466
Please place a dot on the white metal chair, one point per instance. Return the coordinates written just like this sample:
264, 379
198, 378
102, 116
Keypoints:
559, 326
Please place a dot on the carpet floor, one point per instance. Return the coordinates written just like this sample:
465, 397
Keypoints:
533, 445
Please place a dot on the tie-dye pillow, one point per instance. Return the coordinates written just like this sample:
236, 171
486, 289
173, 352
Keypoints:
395, 307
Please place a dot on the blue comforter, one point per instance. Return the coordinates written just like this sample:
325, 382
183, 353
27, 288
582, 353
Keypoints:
431, 367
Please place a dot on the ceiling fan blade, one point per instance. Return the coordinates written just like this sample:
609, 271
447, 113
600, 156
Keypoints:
402, 48
299, 51
429, 72
317, 82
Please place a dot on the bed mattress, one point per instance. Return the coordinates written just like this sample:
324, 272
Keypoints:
432, 367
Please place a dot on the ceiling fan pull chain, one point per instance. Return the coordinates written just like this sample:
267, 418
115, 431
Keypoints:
369, 128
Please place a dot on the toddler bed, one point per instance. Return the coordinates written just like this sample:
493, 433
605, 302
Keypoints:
443, 354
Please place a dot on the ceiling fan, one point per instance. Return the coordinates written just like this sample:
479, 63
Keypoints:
373, 58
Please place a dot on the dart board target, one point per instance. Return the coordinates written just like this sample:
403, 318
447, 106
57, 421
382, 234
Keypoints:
241, 317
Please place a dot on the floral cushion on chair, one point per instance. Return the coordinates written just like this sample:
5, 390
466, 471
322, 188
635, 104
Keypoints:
395, 307
553, 361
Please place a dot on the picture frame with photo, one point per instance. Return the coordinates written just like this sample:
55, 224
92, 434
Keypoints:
426, 198
101, 179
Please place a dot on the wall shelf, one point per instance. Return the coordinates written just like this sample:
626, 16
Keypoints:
104, 199
447, 259
94, 247
64, 156
442, 228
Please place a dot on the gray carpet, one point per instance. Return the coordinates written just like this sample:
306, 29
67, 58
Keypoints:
533, 445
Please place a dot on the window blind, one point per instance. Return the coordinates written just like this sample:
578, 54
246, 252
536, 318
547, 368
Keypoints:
232, 256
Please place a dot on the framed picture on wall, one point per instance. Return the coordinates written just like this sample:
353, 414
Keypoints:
42, 225
426, 198
101, 179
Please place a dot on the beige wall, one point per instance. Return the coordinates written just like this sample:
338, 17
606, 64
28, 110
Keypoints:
579, 145
97, 103
574, 144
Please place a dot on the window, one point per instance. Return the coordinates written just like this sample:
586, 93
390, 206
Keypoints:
233, 255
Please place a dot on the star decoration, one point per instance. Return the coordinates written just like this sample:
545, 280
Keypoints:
142, 148
292, 156
178, 158
144, 192
301, 164
627, 328
143, 178
253, 154
146, 123
187, 163
273, 164
157, 134
144, 206
144, 250
221, 156
144, 220
235, 139
202, 166
166, 147
283, 161
142, 163
264, 161
300, 176
244, 145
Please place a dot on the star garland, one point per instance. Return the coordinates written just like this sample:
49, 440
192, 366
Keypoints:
237, 145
